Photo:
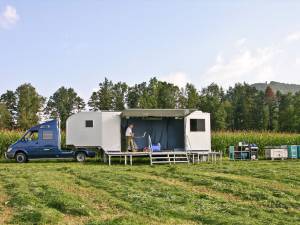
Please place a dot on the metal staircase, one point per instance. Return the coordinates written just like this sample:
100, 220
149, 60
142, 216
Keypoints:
170, 157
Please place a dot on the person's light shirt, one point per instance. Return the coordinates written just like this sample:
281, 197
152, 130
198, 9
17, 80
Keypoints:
128, 132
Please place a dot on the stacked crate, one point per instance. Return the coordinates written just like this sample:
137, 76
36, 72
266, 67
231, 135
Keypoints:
279, 152
231, 152
293, 151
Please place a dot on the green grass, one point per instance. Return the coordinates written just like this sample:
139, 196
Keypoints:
257, 192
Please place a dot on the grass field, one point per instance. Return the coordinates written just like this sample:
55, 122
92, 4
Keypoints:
258, 192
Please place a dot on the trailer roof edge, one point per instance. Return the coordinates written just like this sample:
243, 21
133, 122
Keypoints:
157, 112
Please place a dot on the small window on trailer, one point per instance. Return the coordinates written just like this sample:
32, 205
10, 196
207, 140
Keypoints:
197, 125
89, 123
47, 135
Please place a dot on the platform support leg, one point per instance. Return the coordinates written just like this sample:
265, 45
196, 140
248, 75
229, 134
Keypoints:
104, 157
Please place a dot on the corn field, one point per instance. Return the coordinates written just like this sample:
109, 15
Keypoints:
220, 140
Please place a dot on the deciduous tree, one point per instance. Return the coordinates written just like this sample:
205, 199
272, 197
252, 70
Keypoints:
29, 104
10, 100
63, 103
5, 117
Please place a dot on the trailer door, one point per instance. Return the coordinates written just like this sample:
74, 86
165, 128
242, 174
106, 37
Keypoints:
197, 131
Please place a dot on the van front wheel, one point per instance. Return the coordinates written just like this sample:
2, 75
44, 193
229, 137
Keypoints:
80, 157
21, 157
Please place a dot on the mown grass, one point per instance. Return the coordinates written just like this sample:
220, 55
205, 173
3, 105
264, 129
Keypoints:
258, 192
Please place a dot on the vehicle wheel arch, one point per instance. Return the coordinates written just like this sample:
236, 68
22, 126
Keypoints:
20, 151
80, 151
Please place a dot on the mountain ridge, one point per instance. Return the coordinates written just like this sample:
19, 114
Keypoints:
284, 88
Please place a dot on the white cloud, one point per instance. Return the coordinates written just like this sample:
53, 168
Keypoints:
278, 62
240, 42
220, 58
249, 65
295, 36
180, 79
8, 17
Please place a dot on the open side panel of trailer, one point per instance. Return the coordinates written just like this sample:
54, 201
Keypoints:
167, 131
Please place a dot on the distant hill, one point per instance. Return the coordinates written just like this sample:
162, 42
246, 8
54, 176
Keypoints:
276, 86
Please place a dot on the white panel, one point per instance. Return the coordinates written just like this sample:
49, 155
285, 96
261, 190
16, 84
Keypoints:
276, 153
111, 131
79, 135
198, 140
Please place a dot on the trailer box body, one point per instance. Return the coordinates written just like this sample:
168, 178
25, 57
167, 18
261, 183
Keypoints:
94, 129
172, 129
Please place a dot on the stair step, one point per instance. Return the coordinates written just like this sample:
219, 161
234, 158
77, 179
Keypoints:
161, 157
182, 161
161, 162
169, 157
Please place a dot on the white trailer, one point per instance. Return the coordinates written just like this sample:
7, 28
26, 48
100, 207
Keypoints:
103, 129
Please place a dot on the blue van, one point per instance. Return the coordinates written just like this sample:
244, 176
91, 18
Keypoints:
43, 142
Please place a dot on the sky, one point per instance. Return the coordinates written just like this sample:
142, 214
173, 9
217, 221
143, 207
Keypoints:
77, 43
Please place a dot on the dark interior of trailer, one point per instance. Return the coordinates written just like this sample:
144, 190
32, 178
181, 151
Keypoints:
167, 131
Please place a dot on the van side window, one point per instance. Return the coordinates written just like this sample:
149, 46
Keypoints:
32, 136
89, 123
197, 125
47, 135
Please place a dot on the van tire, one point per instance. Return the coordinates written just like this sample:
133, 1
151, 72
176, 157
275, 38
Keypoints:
80, 157
21, 157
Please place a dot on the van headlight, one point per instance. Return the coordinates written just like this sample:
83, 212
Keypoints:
9, 149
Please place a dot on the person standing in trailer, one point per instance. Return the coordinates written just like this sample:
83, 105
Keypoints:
129, 138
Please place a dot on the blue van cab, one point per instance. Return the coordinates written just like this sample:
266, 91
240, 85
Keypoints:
43, 142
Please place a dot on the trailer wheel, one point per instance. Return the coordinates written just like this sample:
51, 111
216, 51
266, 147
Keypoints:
80, 157
21, 157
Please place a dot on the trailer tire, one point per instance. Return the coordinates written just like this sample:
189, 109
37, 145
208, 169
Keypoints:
80, 157
21, 157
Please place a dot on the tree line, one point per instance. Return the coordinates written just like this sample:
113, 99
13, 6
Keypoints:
241, 107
